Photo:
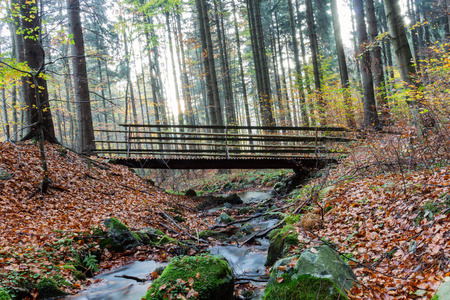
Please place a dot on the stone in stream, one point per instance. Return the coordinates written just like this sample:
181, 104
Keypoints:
224, 218
120, 237
203, 277
280, 242
318, 273
191, 193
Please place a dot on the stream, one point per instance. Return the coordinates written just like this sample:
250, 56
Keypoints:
246, 261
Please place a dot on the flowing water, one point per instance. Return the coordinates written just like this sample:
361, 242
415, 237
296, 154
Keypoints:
247, 263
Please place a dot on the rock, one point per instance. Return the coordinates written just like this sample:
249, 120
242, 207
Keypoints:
305, 287
212, 234
245, 210
233, 199
48, 289
227, 205
120, 236
316, 267
443, 293
224, 218
280, 242
247, 228
191, 193
4, 175
202, 277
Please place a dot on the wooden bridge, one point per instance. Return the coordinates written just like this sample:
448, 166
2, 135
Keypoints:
222, 147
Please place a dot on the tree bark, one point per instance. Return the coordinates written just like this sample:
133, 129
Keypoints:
85, 127
370, 109
377, 62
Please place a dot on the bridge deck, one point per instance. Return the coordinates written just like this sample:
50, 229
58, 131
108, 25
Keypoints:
222, 147
223, 163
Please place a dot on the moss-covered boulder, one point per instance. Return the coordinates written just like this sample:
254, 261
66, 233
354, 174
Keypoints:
305, 287
202, 277
224, 218
247, 228
280, 242
191, 193
323, 266
212, 234
48, 289
120, 237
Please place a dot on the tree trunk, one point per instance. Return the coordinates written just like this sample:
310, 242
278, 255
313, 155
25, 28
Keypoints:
229, 103
343, 71
370, 109
261, 67
85, 127
38, 113
314, 55
377, 62
241, 68
298, 67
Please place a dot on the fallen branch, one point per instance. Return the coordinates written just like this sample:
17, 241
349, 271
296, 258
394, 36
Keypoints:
263, 233
182, 229
131, 277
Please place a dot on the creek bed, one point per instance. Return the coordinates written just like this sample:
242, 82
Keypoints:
246, 262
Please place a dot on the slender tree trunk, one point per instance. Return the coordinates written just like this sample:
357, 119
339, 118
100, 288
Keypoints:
343, 71
314, 55
261, 68
298, 67
377, 62
83, 104
129, 84
229, 103
370, 109
174, 73
241, 68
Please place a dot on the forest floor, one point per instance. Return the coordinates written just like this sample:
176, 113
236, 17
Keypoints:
387, 211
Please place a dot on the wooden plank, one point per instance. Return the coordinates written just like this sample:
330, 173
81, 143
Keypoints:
256, 139
268, 128
215, 151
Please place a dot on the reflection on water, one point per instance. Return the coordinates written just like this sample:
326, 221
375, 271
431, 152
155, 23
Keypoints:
254, 196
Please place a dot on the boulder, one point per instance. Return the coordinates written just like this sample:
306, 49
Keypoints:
443, 293
247, 228
48, 289
224, 218
233, 199
191, 193
120, 237
280, 242
318, 270
202, 277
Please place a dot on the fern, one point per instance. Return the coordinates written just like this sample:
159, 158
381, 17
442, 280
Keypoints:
91, 262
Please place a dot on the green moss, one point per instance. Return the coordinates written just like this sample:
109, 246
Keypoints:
4, 294
305, 287
280, 242
212, 234
121, 237
179, 219
166, 239
212, 278
48, 288
245, 210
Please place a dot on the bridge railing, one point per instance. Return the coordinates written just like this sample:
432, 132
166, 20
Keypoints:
181, 141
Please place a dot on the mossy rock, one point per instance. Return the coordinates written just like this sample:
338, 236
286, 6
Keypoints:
120, 236
212, 234
224, 218
246, 210
443, 293
305, 287
321, 262
48, 289
247, 228
4, 294
280, 242
209, 276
